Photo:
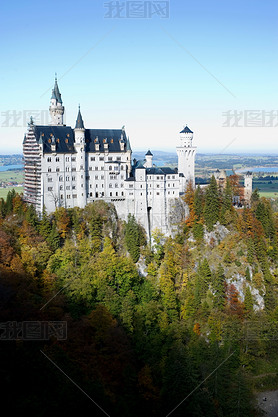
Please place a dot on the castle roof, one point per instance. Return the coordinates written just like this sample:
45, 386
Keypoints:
79, 121
56, 92
64, 139
186, 130
149, 153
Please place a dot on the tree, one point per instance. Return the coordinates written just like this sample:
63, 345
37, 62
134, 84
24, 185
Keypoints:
248, 302
212, 204
219, 288
134, 237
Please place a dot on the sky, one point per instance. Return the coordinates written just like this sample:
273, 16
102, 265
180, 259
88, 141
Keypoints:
152, 66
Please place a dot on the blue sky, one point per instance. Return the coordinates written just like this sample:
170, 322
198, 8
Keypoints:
152, 75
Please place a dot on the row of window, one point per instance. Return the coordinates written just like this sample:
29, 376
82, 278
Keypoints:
57, 159
110, 158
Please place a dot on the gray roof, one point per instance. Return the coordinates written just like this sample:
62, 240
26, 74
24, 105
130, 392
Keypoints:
186, 130
79, 121
149, 153
56, 93
64, 139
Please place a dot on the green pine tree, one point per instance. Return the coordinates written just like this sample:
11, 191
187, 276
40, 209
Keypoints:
212, 204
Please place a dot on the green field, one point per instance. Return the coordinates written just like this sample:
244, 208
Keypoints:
12, 176
7, 176
4, 191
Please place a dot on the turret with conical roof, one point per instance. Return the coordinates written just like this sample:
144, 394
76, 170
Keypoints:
56, 108
79, 121
149, 159
186, 158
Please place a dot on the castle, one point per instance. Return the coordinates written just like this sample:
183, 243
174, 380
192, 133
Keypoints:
73, 167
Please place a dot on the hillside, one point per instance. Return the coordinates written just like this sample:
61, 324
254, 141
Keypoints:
185, 327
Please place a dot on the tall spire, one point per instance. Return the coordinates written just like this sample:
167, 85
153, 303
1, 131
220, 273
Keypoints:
56, 108
56, 92
79, 121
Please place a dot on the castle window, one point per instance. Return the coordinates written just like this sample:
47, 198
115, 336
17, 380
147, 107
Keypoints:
122, 185
49, 169
57, 159
90, 168
102, 177
73, 158
116, 185
157, 193
91, 194
73, 169
68, 196
112, 140
67, 169
49, 179
82, 185
169, 177
57, 169
173, 185
73, 178
87, 177
122, 193
116, 194
96, 168
102, 168
168, 192
93, 158
61, 187
101, 158
173, 177
141, 194
157, 178
116, 168
66, 140
67, 178
81, 167
50, 188
130, 185
141, 186
168, 185
110, 185
74, 196
96, 177
118, 158
67, 187
61, 196
130, 193
48, 159
96, 186
67, 159
110, 168
110, 194
60, 178
157, 186
73, 187
82, 176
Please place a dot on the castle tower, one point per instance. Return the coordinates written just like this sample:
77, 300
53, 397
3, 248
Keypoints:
79, 144
149, 160
248, 182
186, 158
56, 108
